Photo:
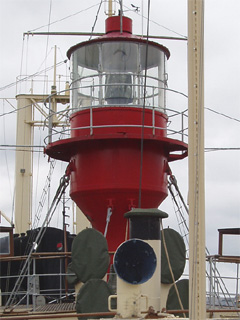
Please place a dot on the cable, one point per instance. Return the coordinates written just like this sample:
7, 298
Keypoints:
94, 24
21, 67
69, 16
32, 75
26, 70
64, 181
158, 24
143, 113
221, 149
46, 52
5, 154
222, 114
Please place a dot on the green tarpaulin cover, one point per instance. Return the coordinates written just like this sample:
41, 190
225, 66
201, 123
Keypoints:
172, 300
176, 251
90, 258
93, 297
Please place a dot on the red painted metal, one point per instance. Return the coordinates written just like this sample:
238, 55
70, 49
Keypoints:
105, 165
104, 154
113, 24
112, 35
117, 120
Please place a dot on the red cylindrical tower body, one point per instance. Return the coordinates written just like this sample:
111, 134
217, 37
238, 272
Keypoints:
118, 100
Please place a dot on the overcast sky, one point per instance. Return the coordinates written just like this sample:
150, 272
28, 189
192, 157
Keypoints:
168, 18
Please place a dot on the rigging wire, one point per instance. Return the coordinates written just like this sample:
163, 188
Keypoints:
67, 75
21, 65
94, 24
182, 215
170, 268
222, 114
26, 70
44, 89
64, 181
46, 52
38, 168
5, 154
45, 59
32, 75
38, 211
156, 23
143, 113
62, 19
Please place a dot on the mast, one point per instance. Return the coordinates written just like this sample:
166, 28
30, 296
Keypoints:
197, 268
23, 164
110, 8
26, 121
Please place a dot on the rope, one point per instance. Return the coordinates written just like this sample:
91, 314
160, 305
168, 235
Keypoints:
170, 268
185, 231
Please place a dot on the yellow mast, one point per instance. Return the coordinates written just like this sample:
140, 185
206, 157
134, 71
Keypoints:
197, 268
110, 13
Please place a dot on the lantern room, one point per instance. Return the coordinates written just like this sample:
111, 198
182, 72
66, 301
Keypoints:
113, 70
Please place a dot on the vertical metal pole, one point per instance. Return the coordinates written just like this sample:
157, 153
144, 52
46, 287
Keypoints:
60, 285
210, 282
34, 285
54, 89
121, 15
153, 120
65, 244
237, 296
50, 121
23, 165
161, 91
214, 283
65, 260
91, 120
100, 72
197, 262
28, 284
55, 67
153, 96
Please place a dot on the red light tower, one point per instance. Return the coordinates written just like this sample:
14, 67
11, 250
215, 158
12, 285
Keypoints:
118, 81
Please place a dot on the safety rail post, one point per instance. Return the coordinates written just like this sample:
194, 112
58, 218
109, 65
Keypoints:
237, 295
50, 121
91, 120
153, 119
134, 88
60, 280
214, 282
139, 88
34, 285
100, 88
28, 285
211, 295
153, 95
